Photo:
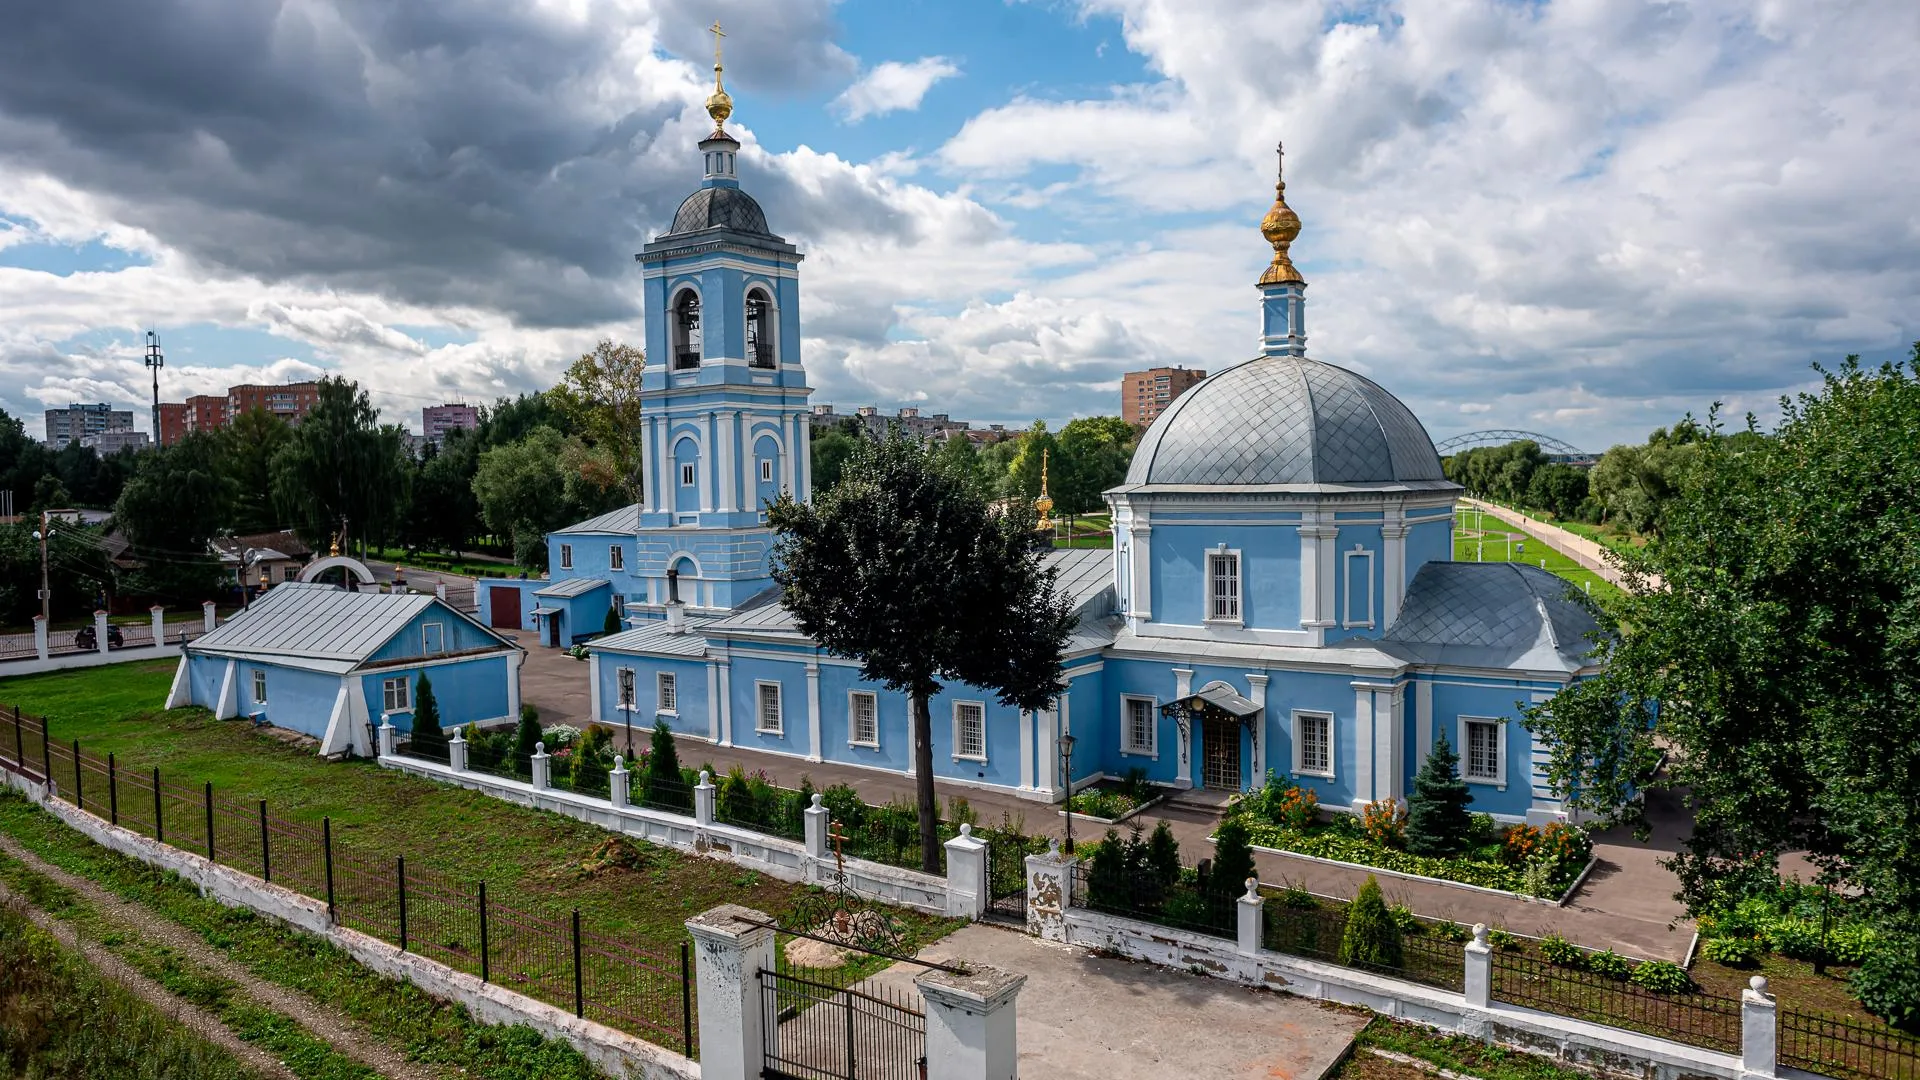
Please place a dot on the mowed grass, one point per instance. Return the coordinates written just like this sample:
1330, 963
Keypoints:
530, 859
1481, 537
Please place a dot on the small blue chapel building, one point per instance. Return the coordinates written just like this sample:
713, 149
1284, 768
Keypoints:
1281, 595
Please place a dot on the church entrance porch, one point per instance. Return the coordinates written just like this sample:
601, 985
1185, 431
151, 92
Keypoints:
1220, 753
1217, 725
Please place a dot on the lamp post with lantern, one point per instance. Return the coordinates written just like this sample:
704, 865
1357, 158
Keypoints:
1066, 772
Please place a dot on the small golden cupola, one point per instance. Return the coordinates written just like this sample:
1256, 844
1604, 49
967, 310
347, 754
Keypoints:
1283, 291
719, 103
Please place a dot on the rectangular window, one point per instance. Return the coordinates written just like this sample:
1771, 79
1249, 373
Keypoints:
686, 476
1313, 743
766, 470
623, 681
863, 719
396, 694
669, 692
259, 687
1481, 760
566, 556
1359, 587
1136, 724
768, 719
970, 730
1223, 586
433, 638
616, 557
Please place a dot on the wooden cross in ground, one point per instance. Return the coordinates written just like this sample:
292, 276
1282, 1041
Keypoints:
839, 836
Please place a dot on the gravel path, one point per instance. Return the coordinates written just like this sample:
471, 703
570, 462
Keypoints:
327, 1023
194, 1019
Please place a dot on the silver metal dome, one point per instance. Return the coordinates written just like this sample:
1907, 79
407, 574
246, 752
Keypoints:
1285, 420
719, 207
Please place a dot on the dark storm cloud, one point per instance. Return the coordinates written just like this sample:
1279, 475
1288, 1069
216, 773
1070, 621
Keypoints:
452, 152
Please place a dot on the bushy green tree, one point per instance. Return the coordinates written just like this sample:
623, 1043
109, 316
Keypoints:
169, 511
1232, 858
830, 451
525, 738
662, 785
341, 467
248, 446
1372, 937
611, 624
428, 740
1437, 817
1163, 855
905, 567
592, 759
600, 395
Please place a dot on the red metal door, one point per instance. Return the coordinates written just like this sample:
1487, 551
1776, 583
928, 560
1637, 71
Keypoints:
503, 609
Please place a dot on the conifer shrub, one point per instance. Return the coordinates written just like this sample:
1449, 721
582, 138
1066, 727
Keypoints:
1437, 820
1371, 938
427, 739
1232, 858
1163, 856
525, 738
612, 624
661, 786
592, 759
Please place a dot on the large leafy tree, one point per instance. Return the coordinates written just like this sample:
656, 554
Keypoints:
1093, 456
248, 446
521, 489
169, 511
600, 396
1782, 647
444, 513
830, 451
342, 468
905, 567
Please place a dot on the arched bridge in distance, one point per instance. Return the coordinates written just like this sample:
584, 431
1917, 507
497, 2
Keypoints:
1556, 449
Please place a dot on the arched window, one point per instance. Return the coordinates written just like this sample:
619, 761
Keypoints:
759, 330
686, 329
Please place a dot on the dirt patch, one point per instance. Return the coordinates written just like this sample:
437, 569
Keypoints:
330, 1025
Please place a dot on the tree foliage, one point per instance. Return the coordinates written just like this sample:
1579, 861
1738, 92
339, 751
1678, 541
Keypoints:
1437, 817
829, 454
428, 740
342, 468
1232, 858
600, 396
168, 513
247, 448
906, 568
1372, 938
1782, 645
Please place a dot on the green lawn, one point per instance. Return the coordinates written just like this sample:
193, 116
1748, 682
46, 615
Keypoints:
1479, 537
452, 564
530, 859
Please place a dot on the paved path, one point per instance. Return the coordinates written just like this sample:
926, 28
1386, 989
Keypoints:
1085, 1017
1587, 553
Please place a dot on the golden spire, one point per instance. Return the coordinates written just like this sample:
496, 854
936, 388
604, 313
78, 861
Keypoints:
1044, 503
1280, 226
719, 105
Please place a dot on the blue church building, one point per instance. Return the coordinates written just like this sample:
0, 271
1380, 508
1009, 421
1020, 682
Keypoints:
1280, 597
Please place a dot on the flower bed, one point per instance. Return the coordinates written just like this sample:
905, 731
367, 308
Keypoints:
1110, 805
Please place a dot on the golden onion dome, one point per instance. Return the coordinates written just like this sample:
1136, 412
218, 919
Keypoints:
1280, 227
719, 103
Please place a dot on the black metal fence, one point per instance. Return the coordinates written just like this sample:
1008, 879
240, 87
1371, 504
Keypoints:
818, 1030
1176, 903
1316, 934
622, 983
1839, 1047
1697, 1019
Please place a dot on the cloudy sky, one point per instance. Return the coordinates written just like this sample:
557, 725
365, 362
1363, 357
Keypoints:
1583, 218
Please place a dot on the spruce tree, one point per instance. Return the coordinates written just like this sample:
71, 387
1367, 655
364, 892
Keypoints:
663, 786
1372, 938
612, 624
427, 739
1232, 858
1437, 818
525, 738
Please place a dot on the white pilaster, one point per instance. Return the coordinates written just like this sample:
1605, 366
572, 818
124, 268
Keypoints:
732, 946
1026, 749
713, 700
710, 465
813, 712
1048, 748
1183, 689
1389, 759
729, 470
1140, 574
913, 741
1393, 557
1423, 718
726, 703
804, 453
790, 473
515, 659
1363, 742
1329, 570
1257, 693
594, 712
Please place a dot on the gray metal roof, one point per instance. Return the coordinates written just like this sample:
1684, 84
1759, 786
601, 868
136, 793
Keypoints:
1285, 420
1084, 575
624, 520
656, 639
320, 627
720, 207
1492, 615
567, 587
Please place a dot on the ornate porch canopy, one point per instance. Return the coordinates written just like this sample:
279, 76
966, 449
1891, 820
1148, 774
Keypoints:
1218, 700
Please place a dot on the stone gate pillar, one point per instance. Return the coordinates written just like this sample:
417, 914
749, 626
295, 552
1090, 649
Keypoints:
970, 1023
731, 946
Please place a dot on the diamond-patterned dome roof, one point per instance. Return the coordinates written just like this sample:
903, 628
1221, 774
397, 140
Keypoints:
720, 207
1285, 420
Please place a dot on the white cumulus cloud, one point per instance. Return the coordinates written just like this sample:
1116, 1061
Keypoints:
893, 87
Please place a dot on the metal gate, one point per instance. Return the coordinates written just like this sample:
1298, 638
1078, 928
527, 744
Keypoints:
1219, 753
1006, 883
818, 1031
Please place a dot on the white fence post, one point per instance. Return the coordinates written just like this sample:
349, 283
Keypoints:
159, 625
1049, 893
206, 616
100, 632
1759, 1030
971, 1029
1251, 907
966, 875
1479, 974
386, 738
617, 780
457, 751
703, 800
40, 635
815, 819
732, 946
539, 762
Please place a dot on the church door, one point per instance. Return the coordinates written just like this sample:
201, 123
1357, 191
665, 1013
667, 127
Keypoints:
1219, 753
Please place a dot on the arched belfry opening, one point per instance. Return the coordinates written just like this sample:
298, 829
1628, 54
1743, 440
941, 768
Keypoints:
686, 330
760, 332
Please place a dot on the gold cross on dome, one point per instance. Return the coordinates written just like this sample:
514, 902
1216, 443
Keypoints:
717, 35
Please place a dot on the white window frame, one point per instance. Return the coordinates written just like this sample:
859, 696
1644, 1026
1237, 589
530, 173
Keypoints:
616, 557
1346, 586
1128, 745
625, 697
666, 693
1499, 778
566, 556
689, 474
1238, 616
259, 686
766, 470
854, 697
760, 688
1299, 742
957, 707
396, 695
440, 629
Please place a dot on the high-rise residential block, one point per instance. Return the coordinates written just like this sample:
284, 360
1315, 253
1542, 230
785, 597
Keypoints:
80, 420
1144, 395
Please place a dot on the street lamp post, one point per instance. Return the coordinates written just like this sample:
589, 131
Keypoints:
626, 707
1066, 772
46, 593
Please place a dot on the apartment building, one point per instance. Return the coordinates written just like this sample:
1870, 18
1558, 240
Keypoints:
290, 402
437, 420
1144, 395
79, 420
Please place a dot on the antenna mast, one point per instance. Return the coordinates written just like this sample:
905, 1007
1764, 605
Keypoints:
155, 361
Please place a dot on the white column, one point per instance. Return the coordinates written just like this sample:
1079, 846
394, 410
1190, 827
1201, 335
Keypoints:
790, 471
1316, 576
1423, 718
1048, 746
207, 616
1026, 749
650, 496
541, 763
100, 632
729, 469
703, 800
1049, 893
386, 739
618, 778
1362, 745
710, 464
159, 625
1329, 558
593, 688
726, 703
457, 751
813, 712
1257, 687
1759, 1030
1183, 689
732, 946
966, 875
40, 636
1479, 975
1393, 558
971, 1030
1140, 574
805, 454
514, 660
1389, 762
713, 700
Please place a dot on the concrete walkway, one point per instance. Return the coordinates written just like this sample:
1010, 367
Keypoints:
1581, 550
1086, 1017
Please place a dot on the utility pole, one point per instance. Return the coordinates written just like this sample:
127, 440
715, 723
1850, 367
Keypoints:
46, 594
155, 362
